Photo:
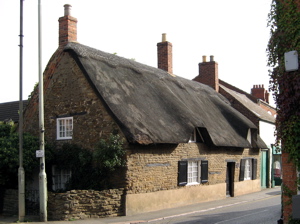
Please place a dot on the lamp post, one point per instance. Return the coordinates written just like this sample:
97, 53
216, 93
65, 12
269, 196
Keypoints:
42, 174
21, 172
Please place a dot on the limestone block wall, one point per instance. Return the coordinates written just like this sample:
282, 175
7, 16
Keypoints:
68, 93
84, 204
155, 168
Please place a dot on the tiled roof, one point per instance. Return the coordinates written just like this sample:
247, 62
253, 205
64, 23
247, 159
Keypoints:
253, 107
10, 110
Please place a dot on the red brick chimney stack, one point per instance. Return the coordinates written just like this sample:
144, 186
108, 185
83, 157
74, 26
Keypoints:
67, 27
208, 73
164, 55
259, 92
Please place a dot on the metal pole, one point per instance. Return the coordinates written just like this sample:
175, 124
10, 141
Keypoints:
21, 172
42, 174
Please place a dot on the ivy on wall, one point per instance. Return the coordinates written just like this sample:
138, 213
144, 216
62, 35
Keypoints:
284, 23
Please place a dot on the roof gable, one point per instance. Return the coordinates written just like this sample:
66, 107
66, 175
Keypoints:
152, 106
253, 107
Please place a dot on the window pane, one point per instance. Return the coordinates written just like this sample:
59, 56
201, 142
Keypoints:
192, 171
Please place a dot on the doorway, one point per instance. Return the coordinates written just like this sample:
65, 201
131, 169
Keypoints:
230, 179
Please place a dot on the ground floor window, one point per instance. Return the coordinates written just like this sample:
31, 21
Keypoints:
248, 169
59, 178
192, 172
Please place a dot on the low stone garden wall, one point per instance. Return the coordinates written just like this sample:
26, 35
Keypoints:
75, 204
85, 204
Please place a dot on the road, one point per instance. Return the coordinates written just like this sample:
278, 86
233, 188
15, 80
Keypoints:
261, 211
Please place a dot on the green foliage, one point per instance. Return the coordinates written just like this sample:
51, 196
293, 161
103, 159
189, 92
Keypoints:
284, 23
109, 154
90, 170
9, 156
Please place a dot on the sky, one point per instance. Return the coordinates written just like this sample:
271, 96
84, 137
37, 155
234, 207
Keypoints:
234, 31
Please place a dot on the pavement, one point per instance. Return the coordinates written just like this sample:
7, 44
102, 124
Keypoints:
161, 214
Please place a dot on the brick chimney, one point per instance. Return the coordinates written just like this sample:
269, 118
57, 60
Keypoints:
208, 73
67, 27
259, 92
164, 55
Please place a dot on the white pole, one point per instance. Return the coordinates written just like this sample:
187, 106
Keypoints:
21, 172
42, 174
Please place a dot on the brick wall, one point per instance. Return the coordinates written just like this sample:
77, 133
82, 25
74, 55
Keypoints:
289, 182
208, 74
164, 56
241, 108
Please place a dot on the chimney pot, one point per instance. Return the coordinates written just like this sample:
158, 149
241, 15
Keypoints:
67, 9
203, 58
164, 37
211, 58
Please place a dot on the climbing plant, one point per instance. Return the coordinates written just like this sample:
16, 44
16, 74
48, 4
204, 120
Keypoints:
284, 23
91, 169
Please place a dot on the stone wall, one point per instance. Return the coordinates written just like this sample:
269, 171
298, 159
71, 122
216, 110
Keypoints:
68, 93
84, 204
75, 204
155, 168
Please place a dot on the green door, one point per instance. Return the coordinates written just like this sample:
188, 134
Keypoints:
264, 169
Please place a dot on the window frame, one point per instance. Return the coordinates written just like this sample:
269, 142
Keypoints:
65, 131
63, 176
196, 137
248, 169
186, 173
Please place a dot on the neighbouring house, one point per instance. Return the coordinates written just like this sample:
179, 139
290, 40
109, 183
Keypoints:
185, 143
255, 107
10, 110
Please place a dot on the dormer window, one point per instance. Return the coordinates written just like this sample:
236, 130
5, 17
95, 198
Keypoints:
196, 136
252, 135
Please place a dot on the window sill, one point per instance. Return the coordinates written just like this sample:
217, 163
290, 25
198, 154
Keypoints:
59, 139
193, 183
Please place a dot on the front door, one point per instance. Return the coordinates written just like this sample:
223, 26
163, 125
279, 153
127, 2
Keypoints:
264, 169
230, 179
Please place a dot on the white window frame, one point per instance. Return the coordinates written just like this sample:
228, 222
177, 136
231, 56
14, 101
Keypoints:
59, 178
64, 128
194, 172
248, 169
193, 137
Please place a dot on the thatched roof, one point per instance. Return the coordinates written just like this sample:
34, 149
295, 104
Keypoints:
152, 106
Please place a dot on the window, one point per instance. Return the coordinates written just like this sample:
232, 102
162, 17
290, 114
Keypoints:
196, 136
64, 128
60, 178
192, 172
248, 169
